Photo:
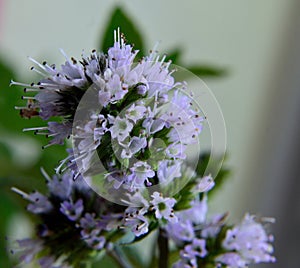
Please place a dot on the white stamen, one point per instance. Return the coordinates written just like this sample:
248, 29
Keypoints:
45, 174
47, 145
20, 192
35, 128
42, 133
20, 108
163, 59
119, 35
65, 55
13, 83
39, 72
28, 98
38, 64
32, 89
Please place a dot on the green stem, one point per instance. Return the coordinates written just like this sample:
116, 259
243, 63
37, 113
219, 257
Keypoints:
163, 246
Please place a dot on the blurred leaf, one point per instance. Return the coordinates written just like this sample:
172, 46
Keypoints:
173, 257
207, 71
120, 19
184, 197
106, 262
133, 256
174, 56
7, 208
220, 178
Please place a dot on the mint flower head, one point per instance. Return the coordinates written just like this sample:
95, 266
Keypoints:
128, 172
129, 119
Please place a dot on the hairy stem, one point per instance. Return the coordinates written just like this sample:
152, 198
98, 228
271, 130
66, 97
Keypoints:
163, 246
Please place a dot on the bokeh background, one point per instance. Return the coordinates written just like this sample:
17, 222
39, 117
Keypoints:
257, 42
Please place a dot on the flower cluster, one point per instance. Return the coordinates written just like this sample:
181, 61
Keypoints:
75, 220
209, 240
137, 122
131, 123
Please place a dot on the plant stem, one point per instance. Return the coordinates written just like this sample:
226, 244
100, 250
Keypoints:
117, 255
163, 246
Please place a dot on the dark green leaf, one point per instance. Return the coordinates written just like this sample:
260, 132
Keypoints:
207, 71
119, 18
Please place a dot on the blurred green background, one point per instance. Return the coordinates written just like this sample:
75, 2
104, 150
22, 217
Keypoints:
256, 42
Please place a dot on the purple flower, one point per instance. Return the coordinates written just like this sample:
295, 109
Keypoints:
196, 213
71, 210
135, 112
181, 232
95, 240
153, 125
233, 260
59, 132
213, 226
61, 186
121, 128
250, 240
136, 221
120, 55
29, 248
88, 223
204, 184
163, 207
46, 262
168, 170
134, 145
40, 203
191, 252
141, 172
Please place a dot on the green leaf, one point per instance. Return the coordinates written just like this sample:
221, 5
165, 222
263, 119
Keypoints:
119, 18
207, 71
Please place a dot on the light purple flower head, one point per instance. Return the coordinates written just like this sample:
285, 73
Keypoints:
250, 240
